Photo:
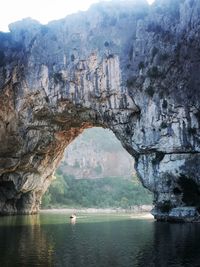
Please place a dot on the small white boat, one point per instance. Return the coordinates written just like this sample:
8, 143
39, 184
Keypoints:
72, 216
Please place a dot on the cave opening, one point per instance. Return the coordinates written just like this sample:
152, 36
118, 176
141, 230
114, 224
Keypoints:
96, 172
190, 191
7, 195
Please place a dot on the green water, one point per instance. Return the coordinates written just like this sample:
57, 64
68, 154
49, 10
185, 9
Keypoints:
96, 240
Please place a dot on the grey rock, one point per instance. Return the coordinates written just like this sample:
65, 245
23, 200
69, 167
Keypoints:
129, 67
179, 214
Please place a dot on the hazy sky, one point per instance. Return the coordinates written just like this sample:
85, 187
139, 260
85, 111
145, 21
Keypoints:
41, 10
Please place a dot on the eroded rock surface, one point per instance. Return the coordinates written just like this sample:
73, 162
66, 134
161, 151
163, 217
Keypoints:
129, 67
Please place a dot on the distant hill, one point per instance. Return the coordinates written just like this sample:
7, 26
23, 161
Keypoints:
97, 153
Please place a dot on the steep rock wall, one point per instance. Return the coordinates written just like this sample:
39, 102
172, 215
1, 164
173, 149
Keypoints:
125, 66
97, 153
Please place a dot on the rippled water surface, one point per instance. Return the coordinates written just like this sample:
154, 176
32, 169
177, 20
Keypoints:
96, 240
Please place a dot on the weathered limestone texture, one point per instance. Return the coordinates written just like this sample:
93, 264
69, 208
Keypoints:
126, 66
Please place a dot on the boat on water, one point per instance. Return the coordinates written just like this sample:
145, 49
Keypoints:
72, 216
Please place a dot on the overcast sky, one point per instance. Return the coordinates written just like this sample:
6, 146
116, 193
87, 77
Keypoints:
41, 10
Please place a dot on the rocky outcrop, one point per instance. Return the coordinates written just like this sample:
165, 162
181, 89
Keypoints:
129, 67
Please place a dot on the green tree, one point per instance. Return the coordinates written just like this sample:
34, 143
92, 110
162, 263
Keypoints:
103, 193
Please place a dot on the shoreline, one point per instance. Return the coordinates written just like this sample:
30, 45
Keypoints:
144, 209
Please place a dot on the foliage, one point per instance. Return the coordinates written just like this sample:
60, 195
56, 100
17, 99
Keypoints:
56, 192
66, 191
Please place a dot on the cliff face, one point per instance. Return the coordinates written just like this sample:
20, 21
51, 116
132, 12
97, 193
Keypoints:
96, 153
129, 67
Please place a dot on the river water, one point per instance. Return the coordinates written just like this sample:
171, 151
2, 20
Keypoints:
96, 240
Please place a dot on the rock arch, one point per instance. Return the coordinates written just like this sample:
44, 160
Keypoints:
128, 67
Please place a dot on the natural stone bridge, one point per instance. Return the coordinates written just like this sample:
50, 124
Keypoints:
132, 68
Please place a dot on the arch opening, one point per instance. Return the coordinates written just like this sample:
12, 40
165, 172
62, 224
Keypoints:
97, 172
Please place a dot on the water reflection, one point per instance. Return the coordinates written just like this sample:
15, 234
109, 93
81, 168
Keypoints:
24, 243
50, 240
73, 218
20, 220
73, 221
174, 245
102, 244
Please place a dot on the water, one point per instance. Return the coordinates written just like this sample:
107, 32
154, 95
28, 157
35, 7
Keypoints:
50, 240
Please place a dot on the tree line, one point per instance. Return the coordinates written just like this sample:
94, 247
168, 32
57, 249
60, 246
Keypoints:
108, 192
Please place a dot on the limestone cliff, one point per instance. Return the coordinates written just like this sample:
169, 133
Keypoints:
125, 66
97, 153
